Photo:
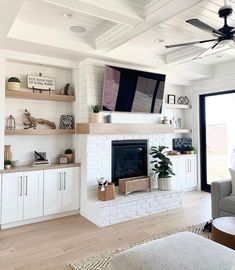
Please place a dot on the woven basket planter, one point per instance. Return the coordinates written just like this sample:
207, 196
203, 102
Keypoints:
164, 183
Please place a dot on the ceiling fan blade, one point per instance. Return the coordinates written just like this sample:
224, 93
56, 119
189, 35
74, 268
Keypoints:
203, 26
210, 49
190, 43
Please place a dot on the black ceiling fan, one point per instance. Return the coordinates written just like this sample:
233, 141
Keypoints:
223, 36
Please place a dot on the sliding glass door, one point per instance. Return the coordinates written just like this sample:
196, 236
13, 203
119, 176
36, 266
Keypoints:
217, 135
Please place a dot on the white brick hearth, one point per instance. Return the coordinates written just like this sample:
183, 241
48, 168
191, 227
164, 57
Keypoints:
125, 208
95, 155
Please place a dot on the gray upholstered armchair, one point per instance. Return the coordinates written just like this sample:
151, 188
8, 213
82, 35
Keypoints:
223, 203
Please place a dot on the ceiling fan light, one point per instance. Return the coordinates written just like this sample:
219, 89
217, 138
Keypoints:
226, 42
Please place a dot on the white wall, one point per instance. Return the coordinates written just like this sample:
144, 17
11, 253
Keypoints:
23, 146
2, 110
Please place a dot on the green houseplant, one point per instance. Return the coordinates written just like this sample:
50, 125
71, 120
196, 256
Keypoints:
13, 83
69, 154
190, 150
95, 116
7, 164
162, 166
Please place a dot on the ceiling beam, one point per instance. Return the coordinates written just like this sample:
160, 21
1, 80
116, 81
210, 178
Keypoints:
12, 9
107, 12
156, 12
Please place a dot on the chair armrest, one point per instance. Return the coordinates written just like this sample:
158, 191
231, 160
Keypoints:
219, 190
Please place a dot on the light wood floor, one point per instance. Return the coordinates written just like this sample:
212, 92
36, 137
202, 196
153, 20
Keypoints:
53, 244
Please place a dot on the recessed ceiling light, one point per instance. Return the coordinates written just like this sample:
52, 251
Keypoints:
78, 29
67, 15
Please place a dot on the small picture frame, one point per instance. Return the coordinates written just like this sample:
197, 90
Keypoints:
63, 160
171, 99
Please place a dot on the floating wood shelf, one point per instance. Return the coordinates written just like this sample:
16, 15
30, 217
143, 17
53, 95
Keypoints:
28, 168
182, 130
113, 128
38, 96
40, 132
176, 106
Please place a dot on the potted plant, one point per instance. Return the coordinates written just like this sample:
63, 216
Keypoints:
191, 150
162, 167
95, 116
13, 83
69, 154
7, 164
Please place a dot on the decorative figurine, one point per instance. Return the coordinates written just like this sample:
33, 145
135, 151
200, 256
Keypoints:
66, 89
32, 122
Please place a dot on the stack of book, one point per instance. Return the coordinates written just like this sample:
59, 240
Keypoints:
41, 162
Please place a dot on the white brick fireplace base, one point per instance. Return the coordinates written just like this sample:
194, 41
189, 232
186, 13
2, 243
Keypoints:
95, 156
125, 208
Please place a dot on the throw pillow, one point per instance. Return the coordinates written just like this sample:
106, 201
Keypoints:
232, 172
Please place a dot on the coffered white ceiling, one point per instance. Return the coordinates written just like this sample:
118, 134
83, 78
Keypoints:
125, 30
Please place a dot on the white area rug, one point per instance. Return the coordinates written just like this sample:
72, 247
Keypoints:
102, 261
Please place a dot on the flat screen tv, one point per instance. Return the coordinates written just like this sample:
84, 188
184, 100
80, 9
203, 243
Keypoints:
127, 90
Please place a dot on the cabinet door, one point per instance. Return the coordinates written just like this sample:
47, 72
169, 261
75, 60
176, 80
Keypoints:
175, 169
33, 194
70, 194
12, 197
191, 172
52, 191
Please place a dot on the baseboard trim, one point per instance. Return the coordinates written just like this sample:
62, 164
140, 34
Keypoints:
39, 219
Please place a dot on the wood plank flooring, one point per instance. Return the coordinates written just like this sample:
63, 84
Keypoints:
54, 244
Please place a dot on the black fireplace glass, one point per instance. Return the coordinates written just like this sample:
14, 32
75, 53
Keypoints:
129, 159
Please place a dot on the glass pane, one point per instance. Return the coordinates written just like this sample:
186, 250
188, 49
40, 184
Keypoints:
220, 136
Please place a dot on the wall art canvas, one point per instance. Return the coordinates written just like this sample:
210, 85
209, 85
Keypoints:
180, 144
66, 122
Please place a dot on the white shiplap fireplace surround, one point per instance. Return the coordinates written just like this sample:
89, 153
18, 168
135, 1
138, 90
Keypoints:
95, 154
96, 160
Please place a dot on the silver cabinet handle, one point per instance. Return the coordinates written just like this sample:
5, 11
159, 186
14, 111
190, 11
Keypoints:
26, 186
21, 186
64, 180
60, 181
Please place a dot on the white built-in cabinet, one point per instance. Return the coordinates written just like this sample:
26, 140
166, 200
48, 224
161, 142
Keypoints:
22, 196
60, 190
185, 169
34, 194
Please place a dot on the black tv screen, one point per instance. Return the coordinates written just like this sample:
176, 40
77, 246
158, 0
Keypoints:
127, 90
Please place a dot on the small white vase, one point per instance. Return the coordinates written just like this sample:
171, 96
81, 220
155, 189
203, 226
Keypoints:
154, 183
164, 183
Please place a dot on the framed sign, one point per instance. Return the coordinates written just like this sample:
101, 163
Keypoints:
40, 82
171, 99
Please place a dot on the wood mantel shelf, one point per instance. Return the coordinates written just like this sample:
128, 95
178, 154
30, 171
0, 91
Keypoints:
114, 128
38, 96
40, 132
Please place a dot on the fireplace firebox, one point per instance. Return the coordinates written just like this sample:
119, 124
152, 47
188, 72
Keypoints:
129, 159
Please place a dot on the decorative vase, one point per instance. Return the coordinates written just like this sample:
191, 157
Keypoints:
7, 152
69, 157
7, 167
191, 152
95, 117
154, 183
164, 183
